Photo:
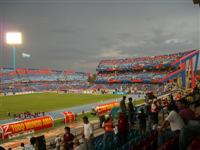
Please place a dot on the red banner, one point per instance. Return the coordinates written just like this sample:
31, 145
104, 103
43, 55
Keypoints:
36, 124
69, 117
137, 80
104, 108
21, 71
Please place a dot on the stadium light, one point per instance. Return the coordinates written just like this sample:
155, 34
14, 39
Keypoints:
14, 38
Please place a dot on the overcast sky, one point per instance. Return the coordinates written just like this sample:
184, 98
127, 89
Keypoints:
77, 34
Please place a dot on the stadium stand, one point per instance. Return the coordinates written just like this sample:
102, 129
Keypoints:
23, 80
122, 72
148, 140
154, 69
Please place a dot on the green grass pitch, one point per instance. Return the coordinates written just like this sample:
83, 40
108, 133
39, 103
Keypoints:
47, 102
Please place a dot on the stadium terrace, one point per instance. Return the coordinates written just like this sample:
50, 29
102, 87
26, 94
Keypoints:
24, 80
153, 69
111, 74
153, 83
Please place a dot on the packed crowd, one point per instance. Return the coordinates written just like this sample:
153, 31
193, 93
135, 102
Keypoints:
140, 62
167, 122
12, 89
153, 69
25, 80
129, 77
170, 117
79, 87
136, 88
25, 115
8, 75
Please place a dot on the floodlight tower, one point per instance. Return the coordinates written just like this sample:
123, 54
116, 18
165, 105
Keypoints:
13, 39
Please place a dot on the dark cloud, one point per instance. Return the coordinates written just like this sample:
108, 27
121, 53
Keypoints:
78, 34
65, 30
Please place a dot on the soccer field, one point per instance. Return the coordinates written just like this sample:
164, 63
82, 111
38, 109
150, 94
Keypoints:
47, 102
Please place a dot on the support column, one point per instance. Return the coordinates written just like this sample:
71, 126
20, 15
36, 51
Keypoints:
183, 74
14, 58
196, 65
192, 73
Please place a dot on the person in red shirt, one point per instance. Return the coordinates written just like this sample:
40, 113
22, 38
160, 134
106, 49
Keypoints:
123, 127
186, 113
68, 139
108, 135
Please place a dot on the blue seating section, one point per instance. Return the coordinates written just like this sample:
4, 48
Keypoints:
135, 141
23, 79
23, 74
152, 69
129, 77
151, 62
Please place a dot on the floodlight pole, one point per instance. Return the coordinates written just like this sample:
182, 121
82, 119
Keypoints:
14, 57
13, 39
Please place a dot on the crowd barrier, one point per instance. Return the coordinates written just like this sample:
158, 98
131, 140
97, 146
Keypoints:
19, 128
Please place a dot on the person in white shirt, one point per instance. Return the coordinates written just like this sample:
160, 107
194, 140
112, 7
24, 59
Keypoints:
88, 133
58, 142
175, 122
32, 145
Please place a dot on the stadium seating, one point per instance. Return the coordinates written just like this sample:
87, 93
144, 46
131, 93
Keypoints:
135, 141
130, 77
23, 79
140, 63
153, 69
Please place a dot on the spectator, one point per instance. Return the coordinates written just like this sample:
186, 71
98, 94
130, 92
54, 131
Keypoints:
176, 123
196, 95
68, 139
196, 90
154, 114
123, 127
178, 96
88, 133
148, 111
1, 148
186, 113
142, 121
76, 115
108, 135
188, 133
58, 142
160, 107
83, 112
22, 146
32, 144
101, 119
123, 105
171, 98
131, 113
93, 112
